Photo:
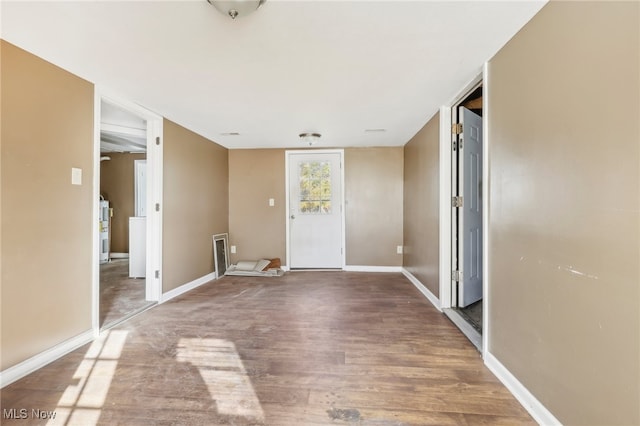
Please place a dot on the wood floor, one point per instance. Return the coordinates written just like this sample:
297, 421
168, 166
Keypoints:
310, 348
120, 296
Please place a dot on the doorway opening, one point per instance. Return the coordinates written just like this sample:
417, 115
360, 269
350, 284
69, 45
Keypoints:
315, 216
127, 277
467, 223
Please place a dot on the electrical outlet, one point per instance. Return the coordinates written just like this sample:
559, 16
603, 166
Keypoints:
399, 249
233, 249
272, 202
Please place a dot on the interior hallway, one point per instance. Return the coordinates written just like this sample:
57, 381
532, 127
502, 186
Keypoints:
310, 348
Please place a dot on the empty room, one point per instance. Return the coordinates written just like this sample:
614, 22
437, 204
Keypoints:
268, 212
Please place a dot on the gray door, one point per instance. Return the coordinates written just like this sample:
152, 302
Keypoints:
470, 214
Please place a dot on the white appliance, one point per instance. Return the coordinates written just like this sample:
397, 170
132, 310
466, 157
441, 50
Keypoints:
105, 225
137, 247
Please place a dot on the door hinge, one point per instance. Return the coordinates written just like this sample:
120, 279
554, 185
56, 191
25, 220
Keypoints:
456, 276
454, 146
157, 207
456, 128
157, 140
457, 202
157, 274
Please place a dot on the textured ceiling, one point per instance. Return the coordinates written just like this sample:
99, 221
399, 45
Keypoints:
333, 67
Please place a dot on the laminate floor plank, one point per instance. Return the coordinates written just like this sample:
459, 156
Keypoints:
309, 348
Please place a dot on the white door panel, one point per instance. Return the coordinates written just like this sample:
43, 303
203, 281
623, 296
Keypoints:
470, 214
315, 210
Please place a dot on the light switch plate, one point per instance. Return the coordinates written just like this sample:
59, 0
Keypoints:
272, 202
76, 176
233, 249
399, 249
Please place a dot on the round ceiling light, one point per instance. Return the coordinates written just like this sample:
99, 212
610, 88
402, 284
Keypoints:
235, 8
310, 138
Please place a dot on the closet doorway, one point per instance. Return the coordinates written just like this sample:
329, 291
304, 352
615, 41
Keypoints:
462, 232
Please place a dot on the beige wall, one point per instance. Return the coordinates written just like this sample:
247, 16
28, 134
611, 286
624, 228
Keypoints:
117, 186
195, 197
563, 105
421, 205
373, 186
47, 128
259, 230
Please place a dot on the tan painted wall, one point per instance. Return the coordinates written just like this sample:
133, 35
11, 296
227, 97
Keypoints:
563, 104
421, 205
47, 128
259, 230
195, 197
373, 186
117, 186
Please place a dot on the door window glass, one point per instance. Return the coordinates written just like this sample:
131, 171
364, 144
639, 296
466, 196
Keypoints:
315, 187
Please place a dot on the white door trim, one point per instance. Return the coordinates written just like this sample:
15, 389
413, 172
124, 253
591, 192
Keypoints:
485, 212
137, 164
287, 155
154, 195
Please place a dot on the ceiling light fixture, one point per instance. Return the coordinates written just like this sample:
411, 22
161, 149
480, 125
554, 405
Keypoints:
235, 8
310, 138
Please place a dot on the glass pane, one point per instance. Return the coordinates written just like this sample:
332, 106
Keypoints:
315, 187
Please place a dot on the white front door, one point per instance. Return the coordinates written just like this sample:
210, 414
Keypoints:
470, 214
315, 210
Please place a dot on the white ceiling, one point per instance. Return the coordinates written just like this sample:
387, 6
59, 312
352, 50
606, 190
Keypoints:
120, 130
333, 67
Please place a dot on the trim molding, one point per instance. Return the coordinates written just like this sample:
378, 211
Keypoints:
444, 232
538, 411
423, 289
187, 287
118, 255
38, 361
366, 268
466, 328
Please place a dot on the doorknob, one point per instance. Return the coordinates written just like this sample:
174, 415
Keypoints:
293, 216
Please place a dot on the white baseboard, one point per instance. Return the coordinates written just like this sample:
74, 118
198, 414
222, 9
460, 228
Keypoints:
38, 361
423, 289
538, 411
366, 268
187, 287
118, 255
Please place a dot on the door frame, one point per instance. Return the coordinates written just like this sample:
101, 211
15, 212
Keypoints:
137, 164
153, 289
446, 171
287, 155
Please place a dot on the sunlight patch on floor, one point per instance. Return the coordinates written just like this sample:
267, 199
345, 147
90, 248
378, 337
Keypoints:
224, 374
81, 403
